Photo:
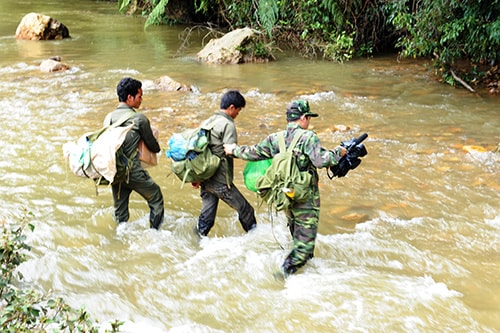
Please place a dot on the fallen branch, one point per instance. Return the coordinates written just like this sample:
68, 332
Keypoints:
462, 81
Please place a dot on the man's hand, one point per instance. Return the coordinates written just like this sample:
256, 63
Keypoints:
340, 151
229, 148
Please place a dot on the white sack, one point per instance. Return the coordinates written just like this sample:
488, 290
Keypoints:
102, 153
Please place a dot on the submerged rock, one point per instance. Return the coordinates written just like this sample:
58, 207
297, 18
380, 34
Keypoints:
53, 64
166, 83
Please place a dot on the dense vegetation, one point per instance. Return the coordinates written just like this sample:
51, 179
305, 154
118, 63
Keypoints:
460, 38
27, 310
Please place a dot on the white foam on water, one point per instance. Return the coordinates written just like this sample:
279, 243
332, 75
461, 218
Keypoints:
495, 222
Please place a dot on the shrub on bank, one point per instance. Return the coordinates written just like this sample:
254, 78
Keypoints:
460, 38
27, 310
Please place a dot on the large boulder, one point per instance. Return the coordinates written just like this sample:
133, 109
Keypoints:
35, 26
236, 47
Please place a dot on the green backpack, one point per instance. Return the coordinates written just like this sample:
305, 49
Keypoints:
192, 159
283, 183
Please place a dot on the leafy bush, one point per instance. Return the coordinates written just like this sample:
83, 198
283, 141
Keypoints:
340, 49
449, 32
24, 310
445, 30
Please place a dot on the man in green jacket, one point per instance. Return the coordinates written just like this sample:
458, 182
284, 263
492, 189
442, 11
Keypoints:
302, 217
129, 93
220, 185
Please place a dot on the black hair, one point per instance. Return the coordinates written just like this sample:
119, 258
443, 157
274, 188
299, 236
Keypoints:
127, 86
233, 97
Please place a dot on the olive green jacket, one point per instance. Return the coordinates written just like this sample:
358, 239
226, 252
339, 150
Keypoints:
223, 131
140, 130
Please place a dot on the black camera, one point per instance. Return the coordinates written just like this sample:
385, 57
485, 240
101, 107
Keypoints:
351, 160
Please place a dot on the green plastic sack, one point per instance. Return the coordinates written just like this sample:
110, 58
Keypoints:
253, 171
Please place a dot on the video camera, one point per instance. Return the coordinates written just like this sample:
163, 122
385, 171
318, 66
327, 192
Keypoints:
351, 160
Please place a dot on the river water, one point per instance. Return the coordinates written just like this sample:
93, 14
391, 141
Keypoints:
408, 242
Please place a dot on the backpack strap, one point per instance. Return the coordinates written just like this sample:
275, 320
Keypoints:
122, 119
281, 140
209, 125
95, 135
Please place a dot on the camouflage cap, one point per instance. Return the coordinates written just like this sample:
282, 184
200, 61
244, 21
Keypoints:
298, 108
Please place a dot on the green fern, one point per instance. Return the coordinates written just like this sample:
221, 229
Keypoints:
334, 9
344, 10
157, 14
202, 6
123, 5
268, 15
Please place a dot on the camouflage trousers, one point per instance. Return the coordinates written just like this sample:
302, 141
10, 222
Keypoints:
303, 222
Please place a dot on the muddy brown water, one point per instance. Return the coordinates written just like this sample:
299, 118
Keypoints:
408, 242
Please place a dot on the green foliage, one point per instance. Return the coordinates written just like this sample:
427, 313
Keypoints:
124, 5
202, 6
337, 28
157, 15
24, 310
267, 12
237, 14
340, 49
258, 49
154, 10
12, 254
365, 49
448, 31
334, 11
262, 50
228, 13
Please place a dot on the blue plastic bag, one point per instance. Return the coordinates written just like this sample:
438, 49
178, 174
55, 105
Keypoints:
177, 147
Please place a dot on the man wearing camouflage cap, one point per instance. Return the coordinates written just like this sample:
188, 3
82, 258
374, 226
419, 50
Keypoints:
302, 217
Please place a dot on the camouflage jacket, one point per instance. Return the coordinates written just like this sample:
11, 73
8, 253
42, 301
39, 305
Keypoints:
310, 154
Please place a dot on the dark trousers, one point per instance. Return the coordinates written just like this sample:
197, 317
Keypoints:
210, 194
142, 183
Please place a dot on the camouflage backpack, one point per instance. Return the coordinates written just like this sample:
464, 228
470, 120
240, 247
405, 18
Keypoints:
283, 183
